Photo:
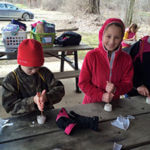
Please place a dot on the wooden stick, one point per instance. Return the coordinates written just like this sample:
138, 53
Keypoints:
38, 94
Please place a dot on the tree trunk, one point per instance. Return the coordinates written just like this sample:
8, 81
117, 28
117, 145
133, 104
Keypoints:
94, 6
129, 12
33, 3
29, 3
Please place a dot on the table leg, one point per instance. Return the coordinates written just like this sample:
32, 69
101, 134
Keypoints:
76, 68
62, 61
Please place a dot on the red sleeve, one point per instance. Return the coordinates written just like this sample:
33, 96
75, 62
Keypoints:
126, 83
85, 80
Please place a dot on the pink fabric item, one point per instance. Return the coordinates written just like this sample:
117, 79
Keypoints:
62, 113
34, 24
144, 47
96, 70
69, 128
125, 45
130, 35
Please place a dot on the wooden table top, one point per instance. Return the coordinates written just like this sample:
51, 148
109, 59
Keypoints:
25, 135
51, 49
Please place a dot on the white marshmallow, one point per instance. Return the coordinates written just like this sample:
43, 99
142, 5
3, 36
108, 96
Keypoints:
148, 100
108, 107
41, 119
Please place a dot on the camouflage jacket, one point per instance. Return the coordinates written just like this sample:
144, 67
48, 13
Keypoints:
18, 90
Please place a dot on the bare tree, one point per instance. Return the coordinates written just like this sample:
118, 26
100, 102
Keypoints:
94, 6
32, 3
129, 12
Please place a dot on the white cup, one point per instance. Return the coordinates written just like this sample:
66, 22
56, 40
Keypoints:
148, 100
108, 107
41, 119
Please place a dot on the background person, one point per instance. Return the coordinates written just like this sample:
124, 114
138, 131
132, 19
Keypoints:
107, 71
130, 35
140, 53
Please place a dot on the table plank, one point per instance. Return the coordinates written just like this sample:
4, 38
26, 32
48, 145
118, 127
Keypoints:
144, 147
27, 126
82, 46
129, 106
59, 75
50, 51
87, 139
55, 48
66, 74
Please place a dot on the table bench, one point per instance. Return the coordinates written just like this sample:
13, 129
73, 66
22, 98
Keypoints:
60, 75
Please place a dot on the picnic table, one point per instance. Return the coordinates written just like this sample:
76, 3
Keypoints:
26, 134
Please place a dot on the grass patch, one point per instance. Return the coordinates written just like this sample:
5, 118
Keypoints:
89, 39
21, 6
142, 13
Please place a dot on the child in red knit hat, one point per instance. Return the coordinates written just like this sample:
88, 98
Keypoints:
30, 86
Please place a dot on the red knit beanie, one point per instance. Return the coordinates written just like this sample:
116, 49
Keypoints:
30, 53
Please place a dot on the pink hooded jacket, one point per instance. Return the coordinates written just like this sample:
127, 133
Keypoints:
97, 70
129, 36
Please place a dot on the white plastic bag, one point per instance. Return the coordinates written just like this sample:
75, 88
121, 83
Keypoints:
4, 123
122, 122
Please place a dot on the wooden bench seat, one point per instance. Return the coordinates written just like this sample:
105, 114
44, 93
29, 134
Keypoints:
66, 74
60, 75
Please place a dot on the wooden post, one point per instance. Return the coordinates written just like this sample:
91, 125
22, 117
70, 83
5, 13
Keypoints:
94, 6
129, 12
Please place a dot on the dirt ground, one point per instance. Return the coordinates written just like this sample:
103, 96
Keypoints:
60, 19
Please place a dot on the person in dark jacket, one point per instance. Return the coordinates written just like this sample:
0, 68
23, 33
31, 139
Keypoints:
30, 86
140, 53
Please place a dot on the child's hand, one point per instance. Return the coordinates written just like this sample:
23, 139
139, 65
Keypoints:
40, 99
107, 97
38, 102
142, 90
43, 97
110, 87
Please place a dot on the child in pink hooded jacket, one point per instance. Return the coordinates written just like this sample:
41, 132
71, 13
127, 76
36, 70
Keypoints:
130, 35
107, 71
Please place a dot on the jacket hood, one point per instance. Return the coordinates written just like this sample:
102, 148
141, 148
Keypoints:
106, 23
